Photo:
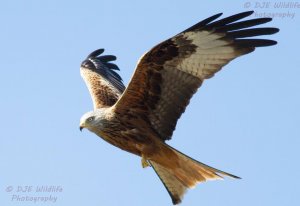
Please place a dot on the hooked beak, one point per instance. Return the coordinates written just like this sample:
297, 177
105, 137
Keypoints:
80, 128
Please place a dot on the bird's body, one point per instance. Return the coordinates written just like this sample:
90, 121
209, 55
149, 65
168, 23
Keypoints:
131, 137
135, 136
140, 118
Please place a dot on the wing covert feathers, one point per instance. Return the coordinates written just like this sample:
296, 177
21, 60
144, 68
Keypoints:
104, 84
169, 74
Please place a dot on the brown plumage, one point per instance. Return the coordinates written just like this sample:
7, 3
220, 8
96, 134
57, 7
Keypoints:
140, 118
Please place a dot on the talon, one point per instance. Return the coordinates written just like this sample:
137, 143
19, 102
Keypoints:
144, 162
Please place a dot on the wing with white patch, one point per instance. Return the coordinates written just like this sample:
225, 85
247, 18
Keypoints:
104, 84
169, 74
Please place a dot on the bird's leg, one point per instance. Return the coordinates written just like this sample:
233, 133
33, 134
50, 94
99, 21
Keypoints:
144, 162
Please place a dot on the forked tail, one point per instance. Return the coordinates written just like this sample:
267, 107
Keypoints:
186, 175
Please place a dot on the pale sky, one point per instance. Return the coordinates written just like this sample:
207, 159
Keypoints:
244, 121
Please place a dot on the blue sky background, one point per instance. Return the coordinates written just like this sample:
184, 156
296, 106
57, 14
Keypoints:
245, 120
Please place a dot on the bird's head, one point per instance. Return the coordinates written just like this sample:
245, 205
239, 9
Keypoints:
93, 120
88, 120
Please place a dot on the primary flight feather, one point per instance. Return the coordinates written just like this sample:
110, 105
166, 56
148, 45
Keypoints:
140, 118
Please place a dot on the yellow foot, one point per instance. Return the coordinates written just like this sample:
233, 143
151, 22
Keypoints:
144, 162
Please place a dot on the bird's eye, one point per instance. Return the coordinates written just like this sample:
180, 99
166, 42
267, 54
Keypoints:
90, 119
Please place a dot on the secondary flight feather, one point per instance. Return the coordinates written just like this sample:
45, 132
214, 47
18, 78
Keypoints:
140, 118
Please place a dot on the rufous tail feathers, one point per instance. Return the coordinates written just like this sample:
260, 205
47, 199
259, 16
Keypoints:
187, 173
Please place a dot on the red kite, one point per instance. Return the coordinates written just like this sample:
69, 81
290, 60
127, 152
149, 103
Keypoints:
140, 118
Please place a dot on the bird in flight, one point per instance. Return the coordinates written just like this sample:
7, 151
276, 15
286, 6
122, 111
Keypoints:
141, 117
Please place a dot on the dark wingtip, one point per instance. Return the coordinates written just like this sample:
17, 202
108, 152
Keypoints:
104, 59
255, 42
107, 58
270, 43
204, 22
95, 53
244, 14
248, 13
103, 66
276, 30
266, 19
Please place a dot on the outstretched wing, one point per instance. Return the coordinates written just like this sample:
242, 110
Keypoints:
169, 74
104, 84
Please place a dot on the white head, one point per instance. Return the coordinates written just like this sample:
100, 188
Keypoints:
92, 120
